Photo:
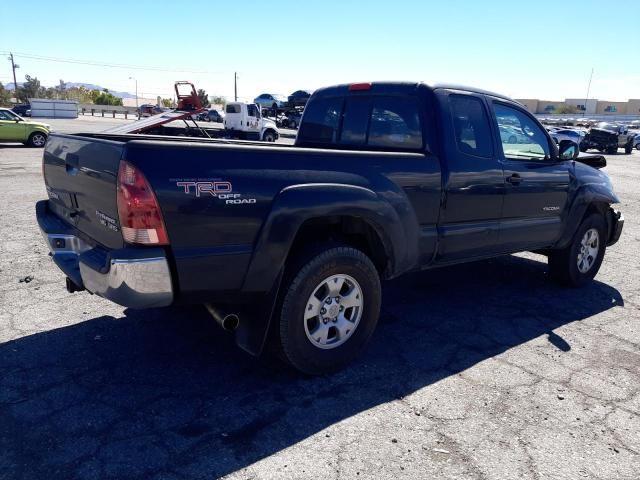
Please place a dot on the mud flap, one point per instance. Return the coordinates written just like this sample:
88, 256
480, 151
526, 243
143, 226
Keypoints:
255, 319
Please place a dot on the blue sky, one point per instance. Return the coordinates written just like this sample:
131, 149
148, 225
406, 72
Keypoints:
533, 49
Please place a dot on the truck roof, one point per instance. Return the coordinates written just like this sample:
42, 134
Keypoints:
405, 87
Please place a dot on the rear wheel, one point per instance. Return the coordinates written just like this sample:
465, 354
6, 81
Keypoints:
329, 310
37, 139
578, 263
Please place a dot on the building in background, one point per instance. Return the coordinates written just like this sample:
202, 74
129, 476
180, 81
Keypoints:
580, 106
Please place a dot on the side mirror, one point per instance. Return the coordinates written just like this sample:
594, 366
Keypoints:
568, 150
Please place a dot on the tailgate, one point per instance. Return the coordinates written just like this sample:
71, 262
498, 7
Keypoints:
80, 175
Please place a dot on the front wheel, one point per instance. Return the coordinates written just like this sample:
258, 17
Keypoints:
37, 139
578, 263
269, 136
329, 311
628, 148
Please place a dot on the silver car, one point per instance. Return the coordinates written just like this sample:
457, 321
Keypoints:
271, 101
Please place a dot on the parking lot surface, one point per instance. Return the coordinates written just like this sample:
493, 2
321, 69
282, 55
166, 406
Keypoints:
480, 371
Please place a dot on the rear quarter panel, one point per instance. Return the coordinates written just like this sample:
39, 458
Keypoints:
212, 238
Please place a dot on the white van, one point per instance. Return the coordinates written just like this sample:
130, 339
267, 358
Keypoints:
244, 120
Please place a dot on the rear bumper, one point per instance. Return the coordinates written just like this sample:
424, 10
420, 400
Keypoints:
617, 222
131, 277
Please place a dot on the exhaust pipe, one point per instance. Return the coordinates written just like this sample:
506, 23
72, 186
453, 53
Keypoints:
72, 287
228, 321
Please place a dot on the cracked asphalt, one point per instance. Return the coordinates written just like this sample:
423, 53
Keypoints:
479, 371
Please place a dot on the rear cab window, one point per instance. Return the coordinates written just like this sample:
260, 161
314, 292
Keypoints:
471, 126
233, 108
373, 122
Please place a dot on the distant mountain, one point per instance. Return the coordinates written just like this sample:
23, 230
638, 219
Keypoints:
88, 86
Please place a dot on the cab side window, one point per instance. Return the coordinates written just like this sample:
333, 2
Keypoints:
471, 126
252, 110
521, 137
395, 123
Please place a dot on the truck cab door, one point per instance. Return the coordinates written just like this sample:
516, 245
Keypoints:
537, 183
473, 180
254, 122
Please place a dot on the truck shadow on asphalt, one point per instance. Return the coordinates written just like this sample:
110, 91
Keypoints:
166, 392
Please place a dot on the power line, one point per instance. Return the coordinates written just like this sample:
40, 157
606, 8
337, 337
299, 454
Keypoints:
104, 64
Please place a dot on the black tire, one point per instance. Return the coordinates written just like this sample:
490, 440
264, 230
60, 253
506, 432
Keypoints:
563, 264
37, 139
628, 148
269, 136
611, 150
300, 283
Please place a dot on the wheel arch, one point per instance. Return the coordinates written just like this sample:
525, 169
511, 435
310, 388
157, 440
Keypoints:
348, 213
588, 199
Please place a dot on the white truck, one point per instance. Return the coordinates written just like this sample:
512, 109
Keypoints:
244, 120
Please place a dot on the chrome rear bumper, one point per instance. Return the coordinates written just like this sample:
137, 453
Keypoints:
131, 277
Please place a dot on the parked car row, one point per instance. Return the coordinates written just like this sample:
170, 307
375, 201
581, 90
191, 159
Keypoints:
604, 137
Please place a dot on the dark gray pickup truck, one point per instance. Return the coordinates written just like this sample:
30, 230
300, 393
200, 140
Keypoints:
288, 244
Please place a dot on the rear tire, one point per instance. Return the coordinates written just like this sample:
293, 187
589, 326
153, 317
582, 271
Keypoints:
37, 139
330, 308
578, 263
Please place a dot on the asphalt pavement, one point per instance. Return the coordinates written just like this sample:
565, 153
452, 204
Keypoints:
480, 371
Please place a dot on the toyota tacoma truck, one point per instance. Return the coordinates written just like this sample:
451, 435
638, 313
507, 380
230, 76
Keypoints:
287, 245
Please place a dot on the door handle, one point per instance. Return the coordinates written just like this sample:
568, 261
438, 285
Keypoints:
514, 179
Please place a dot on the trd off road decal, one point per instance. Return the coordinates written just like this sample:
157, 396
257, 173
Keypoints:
212, 188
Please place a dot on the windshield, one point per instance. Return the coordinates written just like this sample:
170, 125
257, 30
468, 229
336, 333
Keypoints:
606, 126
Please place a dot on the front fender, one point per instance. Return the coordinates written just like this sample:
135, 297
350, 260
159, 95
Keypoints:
592, 187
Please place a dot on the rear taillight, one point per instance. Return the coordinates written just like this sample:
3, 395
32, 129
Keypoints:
140, 217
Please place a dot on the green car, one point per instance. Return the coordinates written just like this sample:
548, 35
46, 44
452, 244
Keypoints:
14, 128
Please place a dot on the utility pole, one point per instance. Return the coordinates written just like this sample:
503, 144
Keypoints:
235, 86
132, 78
15, 83
588, 89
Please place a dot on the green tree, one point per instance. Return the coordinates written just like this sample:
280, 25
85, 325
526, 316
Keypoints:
204, 98
79, 94
30, 89
218, 101
169, 102
5, 95
105, 98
